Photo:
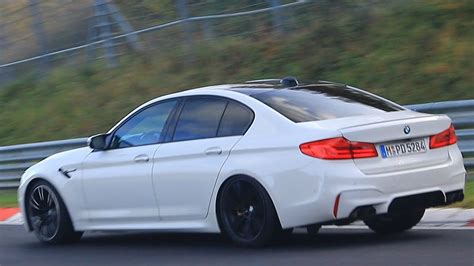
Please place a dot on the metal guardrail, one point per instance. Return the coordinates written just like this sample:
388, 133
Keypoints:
15, 159
462, 114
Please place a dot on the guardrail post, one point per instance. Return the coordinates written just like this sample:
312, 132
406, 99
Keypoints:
208, 31
37, 26
3, 48
183, 12
278, 18
103, 31
125, 27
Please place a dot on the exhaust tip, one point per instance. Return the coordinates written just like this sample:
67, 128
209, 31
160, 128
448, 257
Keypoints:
363, 212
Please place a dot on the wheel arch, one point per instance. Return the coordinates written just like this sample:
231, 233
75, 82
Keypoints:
33, 181
230, 178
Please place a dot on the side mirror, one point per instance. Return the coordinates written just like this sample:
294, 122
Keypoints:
98, 142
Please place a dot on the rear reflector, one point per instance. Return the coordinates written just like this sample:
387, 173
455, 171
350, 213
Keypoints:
443, 139
336, 206
338, 149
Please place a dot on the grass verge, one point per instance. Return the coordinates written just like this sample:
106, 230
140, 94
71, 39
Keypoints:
468, 201
8, 198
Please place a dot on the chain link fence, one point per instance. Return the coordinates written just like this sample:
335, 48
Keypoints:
38, 36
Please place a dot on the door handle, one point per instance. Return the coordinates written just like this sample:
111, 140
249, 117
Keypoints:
213, 150
142, 158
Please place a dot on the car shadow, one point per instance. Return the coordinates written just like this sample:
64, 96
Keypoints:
326, 239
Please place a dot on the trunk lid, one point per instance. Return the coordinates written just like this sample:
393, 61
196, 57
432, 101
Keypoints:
390, 130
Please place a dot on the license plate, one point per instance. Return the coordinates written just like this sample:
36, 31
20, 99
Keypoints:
402, 148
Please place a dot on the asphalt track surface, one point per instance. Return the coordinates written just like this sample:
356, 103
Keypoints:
331, 247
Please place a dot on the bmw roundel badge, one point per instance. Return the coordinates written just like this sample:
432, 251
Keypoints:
407, 130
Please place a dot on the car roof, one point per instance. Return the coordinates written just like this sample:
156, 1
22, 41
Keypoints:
253, 87
264, 85
257, 88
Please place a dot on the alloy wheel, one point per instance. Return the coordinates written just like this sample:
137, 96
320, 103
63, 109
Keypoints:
244, 209
44, 212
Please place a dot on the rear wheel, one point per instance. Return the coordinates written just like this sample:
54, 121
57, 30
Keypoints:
47, 215
395, 222
246, 212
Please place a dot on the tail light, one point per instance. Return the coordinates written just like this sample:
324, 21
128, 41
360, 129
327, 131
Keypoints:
444, 138
338, 149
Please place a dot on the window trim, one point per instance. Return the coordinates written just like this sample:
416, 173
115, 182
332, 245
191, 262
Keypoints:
174, 122
110, 136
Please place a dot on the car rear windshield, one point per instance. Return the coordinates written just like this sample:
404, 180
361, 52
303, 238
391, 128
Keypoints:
313, 103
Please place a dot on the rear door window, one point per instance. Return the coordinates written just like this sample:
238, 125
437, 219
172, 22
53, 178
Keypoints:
199, 118
236, 120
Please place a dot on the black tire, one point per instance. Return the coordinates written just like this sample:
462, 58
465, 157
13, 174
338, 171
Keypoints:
395, 222
48, 216
246, 213
313, 229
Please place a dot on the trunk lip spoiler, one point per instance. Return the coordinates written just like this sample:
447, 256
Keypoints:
395, 120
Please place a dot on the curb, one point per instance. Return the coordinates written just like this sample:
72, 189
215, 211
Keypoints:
448, 216
7, 213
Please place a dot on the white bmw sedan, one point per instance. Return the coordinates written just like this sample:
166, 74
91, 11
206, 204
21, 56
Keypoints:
252, 161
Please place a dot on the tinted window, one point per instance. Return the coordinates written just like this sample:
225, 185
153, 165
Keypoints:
236, 120
143, 128
312, 103
199, 118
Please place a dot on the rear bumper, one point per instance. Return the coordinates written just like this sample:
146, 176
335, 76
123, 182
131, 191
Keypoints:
402, 204
380, 192
383, 191
351, 204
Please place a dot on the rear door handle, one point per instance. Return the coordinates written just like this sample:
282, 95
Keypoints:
213, 151
142, 158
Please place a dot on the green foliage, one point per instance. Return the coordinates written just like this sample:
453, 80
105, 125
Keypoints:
8, 198
468, 201
407, 51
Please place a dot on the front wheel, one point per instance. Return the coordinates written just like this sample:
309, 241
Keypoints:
246, 212
47, 215
395, 222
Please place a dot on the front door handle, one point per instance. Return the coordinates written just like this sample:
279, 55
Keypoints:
142, 158
213, 150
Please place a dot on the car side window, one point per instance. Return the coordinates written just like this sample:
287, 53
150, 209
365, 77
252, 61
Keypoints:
199, 118
236, 120
144, 128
